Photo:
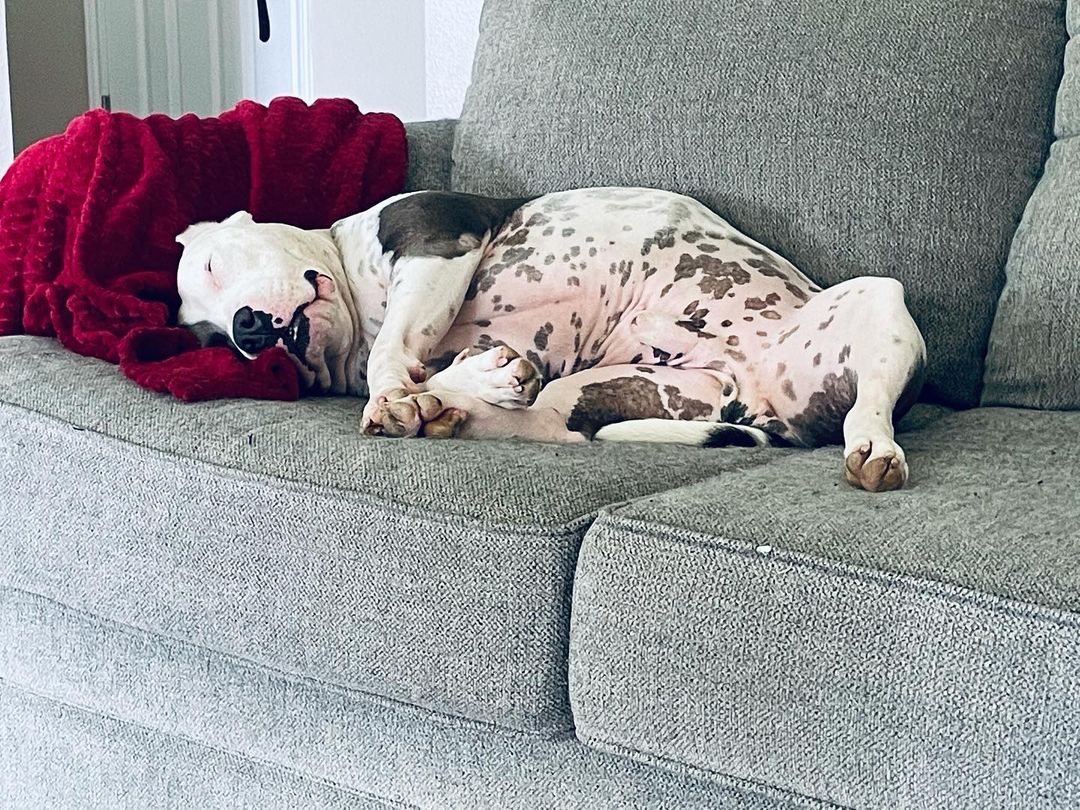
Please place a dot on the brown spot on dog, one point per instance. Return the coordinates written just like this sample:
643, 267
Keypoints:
540, 339
705, 247
760, 333
822, 421
844, 354
725, 323
770, 314
817, 359
788, 389
567, 231
483, 322
686, 408
663, 238
733, 340
617, 400
737, 356
766, 266
748, 318
517, 237
691, 236
780, 369
761, 303
717, 277
796, 291
537, 219
646, 370
785, 335
530, 273
623, 269
825, 324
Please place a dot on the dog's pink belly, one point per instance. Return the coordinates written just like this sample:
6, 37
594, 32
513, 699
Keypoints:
616, 276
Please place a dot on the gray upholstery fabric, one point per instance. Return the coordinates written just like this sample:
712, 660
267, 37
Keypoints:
309, 743
856, 138
437, 573
430, 143
910, 649
57, 756
1035, 343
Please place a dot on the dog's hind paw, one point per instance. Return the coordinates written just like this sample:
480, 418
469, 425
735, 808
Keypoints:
876, 465
498, 376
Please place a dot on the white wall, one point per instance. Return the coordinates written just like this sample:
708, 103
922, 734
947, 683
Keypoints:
450, 40
7, 147
371, 51
409, 57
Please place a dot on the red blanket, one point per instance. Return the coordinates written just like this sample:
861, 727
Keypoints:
89, 218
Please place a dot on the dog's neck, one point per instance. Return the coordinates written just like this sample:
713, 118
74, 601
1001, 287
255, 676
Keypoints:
356, 363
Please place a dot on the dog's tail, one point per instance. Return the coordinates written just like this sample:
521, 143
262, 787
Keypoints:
698, 434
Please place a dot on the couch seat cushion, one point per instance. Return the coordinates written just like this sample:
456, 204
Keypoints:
855, 138
915, 648
437, 573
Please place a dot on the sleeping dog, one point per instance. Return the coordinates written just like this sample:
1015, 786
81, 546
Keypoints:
619, 314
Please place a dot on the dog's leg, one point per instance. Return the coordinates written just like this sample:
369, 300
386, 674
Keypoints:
425, 295
615, 403
852, 352
889, 356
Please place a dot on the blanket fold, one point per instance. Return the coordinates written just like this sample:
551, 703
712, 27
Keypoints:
89, 218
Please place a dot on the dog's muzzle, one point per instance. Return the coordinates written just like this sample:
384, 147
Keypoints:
254, 331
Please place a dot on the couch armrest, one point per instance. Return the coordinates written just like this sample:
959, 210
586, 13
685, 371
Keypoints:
430, 143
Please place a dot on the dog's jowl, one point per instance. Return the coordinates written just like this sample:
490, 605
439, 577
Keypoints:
615, 314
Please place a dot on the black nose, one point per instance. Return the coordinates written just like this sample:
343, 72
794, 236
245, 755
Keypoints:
253, 331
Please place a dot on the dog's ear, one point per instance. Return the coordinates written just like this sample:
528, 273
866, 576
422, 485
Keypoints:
187, 236
208, 334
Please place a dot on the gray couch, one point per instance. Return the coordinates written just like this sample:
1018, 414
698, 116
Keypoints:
247, 604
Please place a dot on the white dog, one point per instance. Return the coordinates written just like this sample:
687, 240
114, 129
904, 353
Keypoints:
607, 313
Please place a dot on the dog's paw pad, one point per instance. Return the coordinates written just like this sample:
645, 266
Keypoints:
876, 465
412, 415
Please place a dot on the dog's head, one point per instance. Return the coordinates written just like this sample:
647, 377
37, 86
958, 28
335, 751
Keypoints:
256, 285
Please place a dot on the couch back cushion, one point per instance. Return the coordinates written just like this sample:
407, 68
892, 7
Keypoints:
1034, 355
856, 137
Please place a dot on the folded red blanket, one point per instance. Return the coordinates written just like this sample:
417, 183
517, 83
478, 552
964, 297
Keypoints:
89, 218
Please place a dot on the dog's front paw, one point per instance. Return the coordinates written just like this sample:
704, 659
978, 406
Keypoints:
498, 376
401, 415
876, 465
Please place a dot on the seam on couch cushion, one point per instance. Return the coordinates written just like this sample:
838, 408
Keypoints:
291, 677
933, 588
697, 772
208, 746
423, 514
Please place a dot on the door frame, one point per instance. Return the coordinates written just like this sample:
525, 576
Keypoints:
300, 66
299, 48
